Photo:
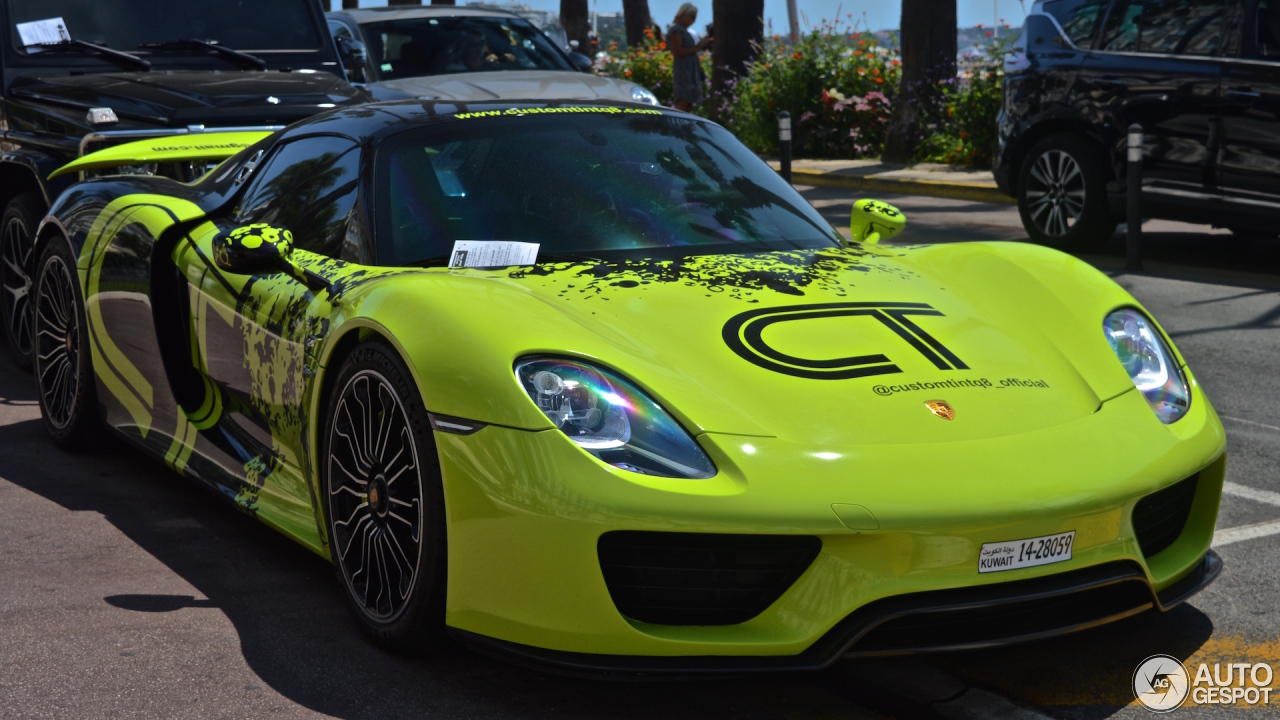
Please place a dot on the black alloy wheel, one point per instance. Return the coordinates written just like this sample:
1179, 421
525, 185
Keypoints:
1062, 194
384, 501
17, 239
63, 368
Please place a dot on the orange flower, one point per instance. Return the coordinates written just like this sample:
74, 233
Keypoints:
880, 80
862, 42
857, 52
627, 73
963, 134
896, 63
798, 55
662, 46
875, 71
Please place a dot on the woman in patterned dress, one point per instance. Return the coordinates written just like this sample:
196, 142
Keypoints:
689, 77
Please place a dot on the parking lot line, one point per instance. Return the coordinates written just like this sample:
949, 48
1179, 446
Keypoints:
1250, 422
1245, 532
1244, 491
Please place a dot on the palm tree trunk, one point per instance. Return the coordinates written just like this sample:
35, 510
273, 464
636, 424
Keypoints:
575, 18
635, 14
928, 39
739, 31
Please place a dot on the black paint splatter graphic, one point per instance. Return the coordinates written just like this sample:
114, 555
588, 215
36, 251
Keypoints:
742, 277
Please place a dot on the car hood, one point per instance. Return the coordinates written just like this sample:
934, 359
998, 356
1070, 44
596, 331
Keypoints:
511, 85
830, 347
182, 98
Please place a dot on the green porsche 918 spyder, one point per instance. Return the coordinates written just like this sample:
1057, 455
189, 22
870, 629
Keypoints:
590, 385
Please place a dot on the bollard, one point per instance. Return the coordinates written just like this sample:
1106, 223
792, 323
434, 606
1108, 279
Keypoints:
784, 145
1133, 239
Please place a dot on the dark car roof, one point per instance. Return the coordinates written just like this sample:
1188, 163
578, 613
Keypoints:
377, 120
378, 14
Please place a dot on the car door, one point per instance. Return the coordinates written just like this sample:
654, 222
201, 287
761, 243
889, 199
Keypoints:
1157, 64
253, 332
1249, 168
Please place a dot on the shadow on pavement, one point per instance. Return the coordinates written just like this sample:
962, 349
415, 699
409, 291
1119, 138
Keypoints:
293, 628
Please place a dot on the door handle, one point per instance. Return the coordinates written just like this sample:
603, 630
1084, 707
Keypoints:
1243, 92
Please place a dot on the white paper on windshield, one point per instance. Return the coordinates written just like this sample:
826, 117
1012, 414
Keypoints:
43, 32
492, 253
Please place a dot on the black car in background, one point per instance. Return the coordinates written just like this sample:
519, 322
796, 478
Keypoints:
79, 75
1202, 77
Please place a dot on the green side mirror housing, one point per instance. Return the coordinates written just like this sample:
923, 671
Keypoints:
873, 221
251, 249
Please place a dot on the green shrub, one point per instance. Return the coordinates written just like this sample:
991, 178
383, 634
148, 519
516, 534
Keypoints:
964, 132
837, 84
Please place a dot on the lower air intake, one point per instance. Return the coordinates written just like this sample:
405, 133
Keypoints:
699, 578
1158, 519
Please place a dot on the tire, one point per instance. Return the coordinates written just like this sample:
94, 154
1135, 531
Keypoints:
17, 266
382, 489
63, 366
1062, 194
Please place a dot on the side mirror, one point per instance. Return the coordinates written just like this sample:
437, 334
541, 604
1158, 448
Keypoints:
581, 61
873, 221
253, 249
354, 56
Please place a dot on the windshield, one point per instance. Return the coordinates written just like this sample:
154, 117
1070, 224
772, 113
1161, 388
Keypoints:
415, 47
599, 182
126, 25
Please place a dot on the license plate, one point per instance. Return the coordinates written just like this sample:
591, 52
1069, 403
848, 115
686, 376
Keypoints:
1014, 554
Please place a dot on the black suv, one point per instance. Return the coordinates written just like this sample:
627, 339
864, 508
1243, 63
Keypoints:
79, 75
1202, 77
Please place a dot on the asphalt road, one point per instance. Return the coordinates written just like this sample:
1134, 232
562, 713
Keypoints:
127, 592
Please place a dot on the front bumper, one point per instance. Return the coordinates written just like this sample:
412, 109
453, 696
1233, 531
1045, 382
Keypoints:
526, 511
930, 621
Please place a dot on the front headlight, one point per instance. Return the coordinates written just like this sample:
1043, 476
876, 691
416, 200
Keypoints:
1149, 363
642, 95
612, 419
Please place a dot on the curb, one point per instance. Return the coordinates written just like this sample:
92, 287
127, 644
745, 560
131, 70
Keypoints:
977, 192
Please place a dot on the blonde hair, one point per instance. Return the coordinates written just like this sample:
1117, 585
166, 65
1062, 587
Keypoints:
686, 9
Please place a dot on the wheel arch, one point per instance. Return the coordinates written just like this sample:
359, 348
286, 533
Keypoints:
334, 354
17, 178
1055, 126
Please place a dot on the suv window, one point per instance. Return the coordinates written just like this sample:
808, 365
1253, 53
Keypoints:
308, 186
1174, 27
1268, 29
1079, 18
240, 24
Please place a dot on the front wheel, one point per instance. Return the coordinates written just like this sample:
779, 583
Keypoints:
385, 501
1062, 194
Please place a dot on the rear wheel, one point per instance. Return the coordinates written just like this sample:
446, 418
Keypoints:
1062, 194
63, 368
17, 266
385, 501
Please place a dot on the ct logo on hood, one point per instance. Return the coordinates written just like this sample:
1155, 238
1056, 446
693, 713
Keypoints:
744, 335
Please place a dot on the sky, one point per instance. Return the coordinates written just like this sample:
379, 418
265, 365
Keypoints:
878, 14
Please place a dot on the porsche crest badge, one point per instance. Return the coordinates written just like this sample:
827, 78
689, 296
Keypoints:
941, 408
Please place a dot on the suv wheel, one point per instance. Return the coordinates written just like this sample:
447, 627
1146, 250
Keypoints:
17, 240
1062, 194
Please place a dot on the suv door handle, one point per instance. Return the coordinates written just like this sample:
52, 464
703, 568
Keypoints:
1243, 92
